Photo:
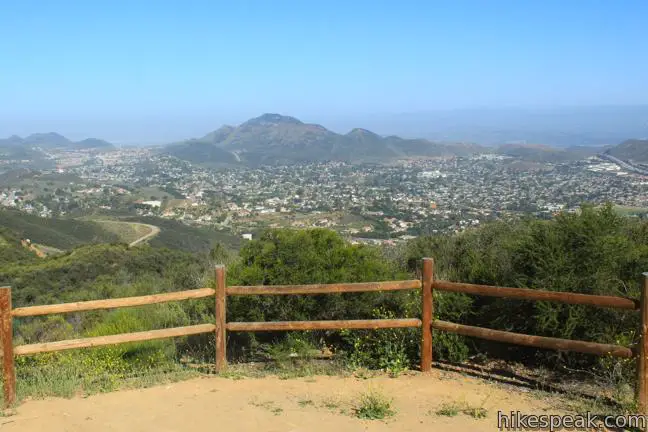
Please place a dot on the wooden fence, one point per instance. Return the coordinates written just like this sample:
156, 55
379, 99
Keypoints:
427, 284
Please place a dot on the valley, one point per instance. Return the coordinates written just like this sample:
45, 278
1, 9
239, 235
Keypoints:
382, 196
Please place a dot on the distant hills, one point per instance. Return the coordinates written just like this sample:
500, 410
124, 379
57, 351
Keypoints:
634, 150
31, 146
34, 148
542, 153
279, 139
560, 126
274, 139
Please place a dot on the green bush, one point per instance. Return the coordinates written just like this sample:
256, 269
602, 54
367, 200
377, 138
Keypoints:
391, 350
373, 405
284, 257
593, 252
294, 350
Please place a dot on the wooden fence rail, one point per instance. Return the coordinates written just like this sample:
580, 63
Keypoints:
427, 323
111, 303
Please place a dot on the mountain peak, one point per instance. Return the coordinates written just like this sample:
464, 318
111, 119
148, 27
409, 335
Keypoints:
362, 132
50, 138
13, 140
48, 135
277, 139
272, 119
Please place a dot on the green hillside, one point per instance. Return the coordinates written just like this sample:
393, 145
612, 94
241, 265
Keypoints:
540, 153
56, 232
65, 234
11, 250
177, 235
635, 150
98, 271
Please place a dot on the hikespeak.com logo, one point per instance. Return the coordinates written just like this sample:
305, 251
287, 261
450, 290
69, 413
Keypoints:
518, 421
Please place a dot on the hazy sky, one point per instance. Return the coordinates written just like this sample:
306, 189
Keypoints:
161, 70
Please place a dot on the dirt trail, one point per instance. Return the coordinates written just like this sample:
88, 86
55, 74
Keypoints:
270, 404
154, 231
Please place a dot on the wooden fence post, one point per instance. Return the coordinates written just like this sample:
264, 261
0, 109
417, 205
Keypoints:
427, 309
642, 351
220, 315
6, 335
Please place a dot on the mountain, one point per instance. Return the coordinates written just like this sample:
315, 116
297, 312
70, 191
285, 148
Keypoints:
558, 126
18, 155
273, 138
33, 145
46, 140
198, 151
12, 141
276, 139
633, 150
218, 135
19, 152
542, 153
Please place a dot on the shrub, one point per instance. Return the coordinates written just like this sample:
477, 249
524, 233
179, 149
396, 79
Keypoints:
594, 252
391, 350
373, 405
307, 257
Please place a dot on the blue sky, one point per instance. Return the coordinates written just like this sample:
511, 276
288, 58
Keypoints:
158, 70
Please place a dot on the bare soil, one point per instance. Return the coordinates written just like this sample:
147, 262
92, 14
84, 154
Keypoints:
319, 403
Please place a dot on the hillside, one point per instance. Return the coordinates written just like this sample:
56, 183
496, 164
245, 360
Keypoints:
541, 153
23, 156
62, 233
47, 141
203, 152
633, 150
177, 235
82, 273
276, 139
11, 250
56, 232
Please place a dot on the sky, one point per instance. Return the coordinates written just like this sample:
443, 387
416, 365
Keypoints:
153, 71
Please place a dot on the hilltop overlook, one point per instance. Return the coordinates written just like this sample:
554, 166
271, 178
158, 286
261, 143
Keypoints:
596, 252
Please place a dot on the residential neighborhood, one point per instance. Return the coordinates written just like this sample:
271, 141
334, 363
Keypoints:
366, 202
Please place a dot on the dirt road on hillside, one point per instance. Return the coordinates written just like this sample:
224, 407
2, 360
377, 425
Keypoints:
154, 231
316, 404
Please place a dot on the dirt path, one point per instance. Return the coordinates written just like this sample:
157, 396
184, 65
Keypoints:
270, 404
154, 231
